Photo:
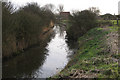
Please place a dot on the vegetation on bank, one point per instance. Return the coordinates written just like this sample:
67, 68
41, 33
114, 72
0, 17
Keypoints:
97, 54
22, 28
96, 57
80, 23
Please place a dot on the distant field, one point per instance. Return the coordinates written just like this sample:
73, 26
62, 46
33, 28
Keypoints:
115, 22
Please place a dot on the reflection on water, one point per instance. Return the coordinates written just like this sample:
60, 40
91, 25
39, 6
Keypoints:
24, 64
40, 62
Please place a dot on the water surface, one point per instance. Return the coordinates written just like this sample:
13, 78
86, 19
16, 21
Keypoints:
40, 62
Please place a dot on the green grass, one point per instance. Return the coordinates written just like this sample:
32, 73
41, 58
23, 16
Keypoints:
67, 22
114, 28
115, 22
93, 54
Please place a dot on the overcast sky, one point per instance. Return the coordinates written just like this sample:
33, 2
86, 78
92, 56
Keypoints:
105, 6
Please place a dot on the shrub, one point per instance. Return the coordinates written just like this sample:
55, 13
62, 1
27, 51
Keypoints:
81, 22
22, 27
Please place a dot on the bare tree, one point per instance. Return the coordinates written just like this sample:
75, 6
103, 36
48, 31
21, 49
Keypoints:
60, 8
50, 7
95, 10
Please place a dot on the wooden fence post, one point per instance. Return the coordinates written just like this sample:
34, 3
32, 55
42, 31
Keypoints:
117, 22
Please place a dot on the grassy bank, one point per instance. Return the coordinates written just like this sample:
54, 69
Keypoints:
97, 55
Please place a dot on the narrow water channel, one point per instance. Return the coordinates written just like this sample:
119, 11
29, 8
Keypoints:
38, 62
